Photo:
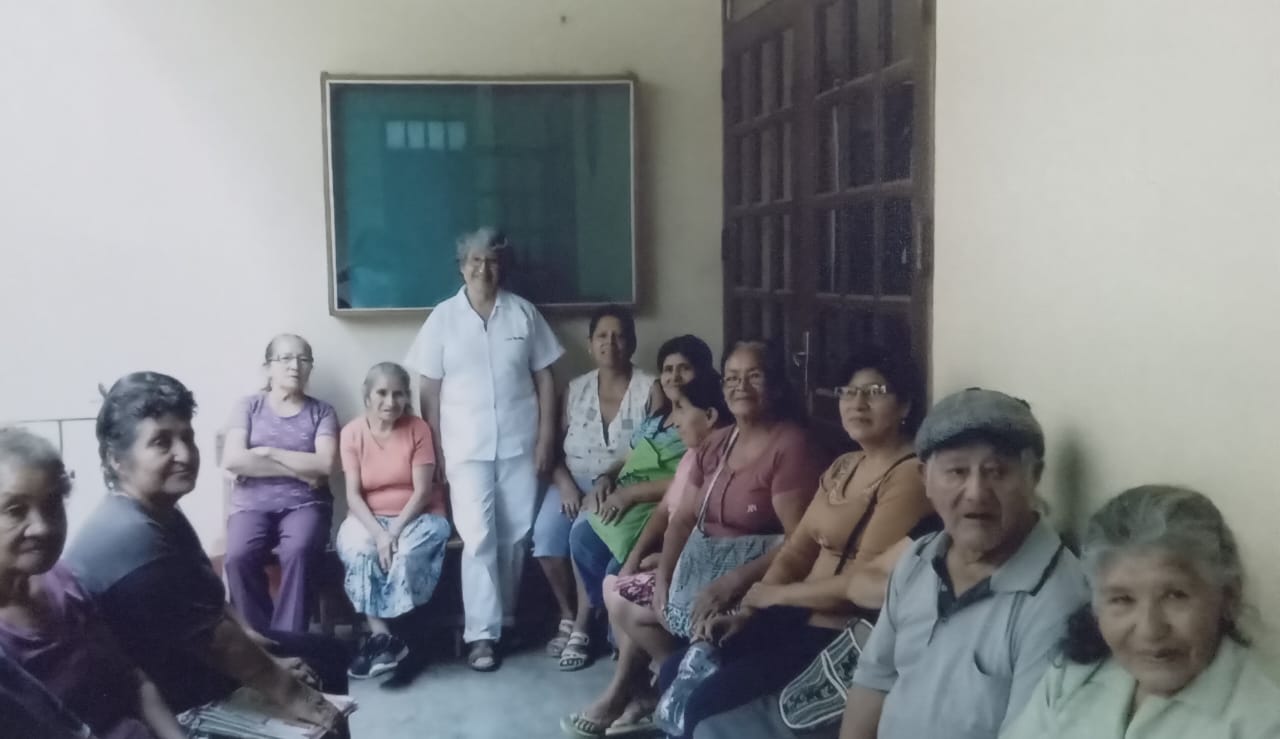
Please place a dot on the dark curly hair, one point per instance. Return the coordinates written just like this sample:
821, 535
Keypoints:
624, 316
902, 376
705, 391
133, 398
691, 348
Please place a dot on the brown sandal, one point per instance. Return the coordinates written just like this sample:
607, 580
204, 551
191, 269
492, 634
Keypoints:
482, 657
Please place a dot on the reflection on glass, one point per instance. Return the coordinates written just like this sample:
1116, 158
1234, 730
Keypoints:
829, 252
830, 30
864, 28
899, 130
900, 29
898, 265
415, 165
859, 143
769, 75
770, 188
859, 243
788, 65
749, 249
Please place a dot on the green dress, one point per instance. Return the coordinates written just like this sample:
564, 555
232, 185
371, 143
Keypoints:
655, 454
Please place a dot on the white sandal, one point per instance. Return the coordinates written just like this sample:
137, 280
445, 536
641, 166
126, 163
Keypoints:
556, 646
575, 655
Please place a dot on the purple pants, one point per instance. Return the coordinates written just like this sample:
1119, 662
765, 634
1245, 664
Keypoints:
298, 538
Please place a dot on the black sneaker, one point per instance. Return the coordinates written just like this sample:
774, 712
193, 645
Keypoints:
408, 670
363, 661
386, 654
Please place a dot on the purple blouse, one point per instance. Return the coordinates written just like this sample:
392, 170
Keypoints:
296, 433
76, 657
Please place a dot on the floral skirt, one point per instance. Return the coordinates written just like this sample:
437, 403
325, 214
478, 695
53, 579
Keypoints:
637, 588
415, 568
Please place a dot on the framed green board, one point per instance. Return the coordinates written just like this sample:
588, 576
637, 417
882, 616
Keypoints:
411, 163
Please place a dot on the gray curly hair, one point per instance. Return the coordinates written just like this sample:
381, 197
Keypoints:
487, 238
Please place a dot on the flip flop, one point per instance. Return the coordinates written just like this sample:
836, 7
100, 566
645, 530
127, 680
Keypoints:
577, 725
639, 726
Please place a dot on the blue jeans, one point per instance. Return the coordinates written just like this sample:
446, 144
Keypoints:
592, 558
551, 528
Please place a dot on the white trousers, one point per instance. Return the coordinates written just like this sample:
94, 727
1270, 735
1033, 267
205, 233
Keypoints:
493, 506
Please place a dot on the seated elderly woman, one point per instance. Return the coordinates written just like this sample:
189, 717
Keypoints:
753, 482
625, 705
392, 542
141, 562
280, 445
1159, 652
866, 502
602, 409
48, 624
623, 498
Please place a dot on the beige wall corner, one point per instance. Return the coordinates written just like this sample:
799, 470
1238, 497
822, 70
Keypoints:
1107, 176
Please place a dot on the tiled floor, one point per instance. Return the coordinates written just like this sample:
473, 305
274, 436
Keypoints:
523, 700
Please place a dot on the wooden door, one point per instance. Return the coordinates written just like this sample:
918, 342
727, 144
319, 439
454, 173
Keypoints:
827, 178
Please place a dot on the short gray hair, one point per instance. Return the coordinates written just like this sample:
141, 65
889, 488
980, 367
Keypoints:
385, 369
1171, 519
26, 450
487, 238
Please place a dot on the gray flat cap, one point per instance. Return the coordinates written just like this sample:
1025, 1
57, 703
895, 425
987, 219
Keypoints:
983, 414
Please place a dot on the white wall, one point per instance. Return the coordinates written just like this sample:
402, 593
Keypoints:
161, 201
1107, 182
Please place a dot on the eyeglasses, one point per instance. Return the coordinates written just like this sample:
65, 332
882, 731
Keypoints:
754, 378
301, 359
870, 392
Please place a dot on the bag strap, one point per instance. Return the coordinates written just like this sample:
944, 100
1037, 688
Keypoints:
866, 515
724, 460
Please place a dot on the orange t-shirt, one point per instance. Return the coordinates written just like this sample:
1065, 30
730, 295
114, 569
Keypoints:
385, 469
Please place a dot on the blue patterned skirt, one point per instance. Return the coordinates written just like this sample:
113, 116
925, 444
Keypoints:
415, 569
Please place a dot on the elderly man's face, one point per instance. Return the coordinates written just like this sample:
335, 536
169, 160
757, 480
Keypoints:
1161, 619
983, 495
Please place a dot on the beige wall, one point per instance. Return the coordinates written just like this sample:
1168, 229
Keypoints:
1107, 182
161, 204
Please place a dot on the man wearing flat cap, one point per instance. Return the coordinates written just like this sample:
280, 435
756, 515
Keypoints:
974, 613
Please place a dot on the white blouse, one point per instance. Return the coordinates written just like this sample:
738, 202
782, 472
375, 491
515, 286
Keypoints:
587, 452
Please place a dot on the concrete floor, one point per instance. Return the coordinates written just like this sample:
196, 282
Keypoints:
523, 700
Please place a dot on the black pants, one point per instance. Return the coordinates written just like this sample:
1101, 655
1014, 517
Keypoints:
766, 655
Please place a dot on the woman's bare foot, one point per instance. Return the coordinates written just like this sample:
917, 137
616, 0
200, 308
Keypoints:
640, 707
605, 710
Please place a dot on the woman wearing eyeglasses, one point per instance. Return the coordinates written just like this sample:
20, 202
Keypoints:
281, 445
867, 502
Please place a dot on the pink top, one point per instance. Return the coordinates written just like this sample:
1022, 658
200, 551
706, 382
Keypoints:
679, 484
742, 502
385, 468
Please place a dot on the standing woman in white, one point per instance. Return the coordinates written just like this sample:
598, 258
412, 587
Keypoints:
484, 357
